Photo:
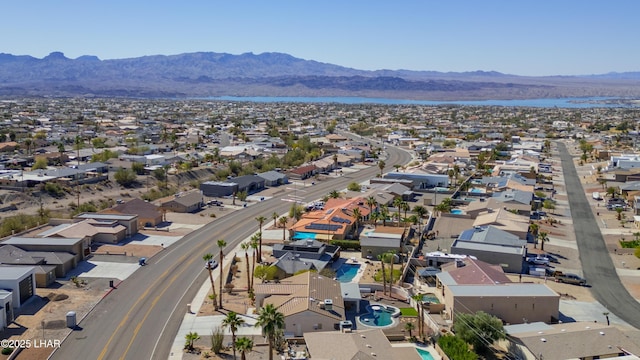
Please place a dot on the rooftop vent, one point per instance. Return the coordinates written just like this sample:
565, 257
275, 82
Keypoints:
543, 339
328, 304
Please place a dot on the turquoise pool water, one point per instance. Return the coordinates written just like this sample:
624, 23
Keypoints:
477, 190
347, 272
457, 211
378, 316
432, 298
424, 354
299, 235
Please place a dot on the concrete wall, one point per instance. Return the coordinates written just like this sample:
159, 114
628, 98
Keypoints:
512, 310
308, 321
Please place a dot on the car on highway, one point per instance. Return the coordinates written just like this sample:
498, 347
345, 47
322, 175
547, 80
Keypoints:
211, 264
569, 278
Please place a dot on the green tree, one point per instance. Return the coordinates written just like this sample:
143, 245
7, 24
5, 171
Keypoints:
456, 348
371, 203
271, 321
418, 299
265, 272
397, 203
261, 219
409, 327
479, 329
40, 163
244, 345
221, 244
255, 247
233, 321
334, 194
381, 165
354, 186
191, 337
542, 237
138, 168
125, 177
207, 258
382, 257
549, 205
245, 246
611, 191
283, 222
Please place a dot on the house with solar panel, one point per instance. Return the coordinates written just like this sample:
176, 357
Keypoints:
335, 222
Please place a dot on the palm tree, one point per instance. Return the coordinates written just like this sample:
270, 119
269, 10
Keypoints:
191, 337
260, 220
244, 345
543, 238
208, 257
384, 274
271, 320
246, 246
384, 213
232, 321
358, 216
254, 246
374, 217
533, 229
283, 221
371, 203
390, 258
381, 166
397, 201
420, 211
221, 245
418, 299
404, 206
334, 194
409, 327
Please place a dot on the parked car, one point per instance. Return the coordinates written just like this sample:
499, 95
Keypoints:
211, 264
568, 278
539, 260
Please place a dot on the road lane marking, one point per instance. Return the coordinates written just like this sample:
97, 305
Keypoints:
126, 317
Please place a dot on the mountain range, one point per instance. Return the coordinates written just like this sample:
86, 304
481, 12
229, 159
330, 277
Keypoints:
210, 74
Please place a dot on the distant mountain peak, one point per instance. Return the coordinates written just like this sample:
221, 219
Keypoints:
56, 55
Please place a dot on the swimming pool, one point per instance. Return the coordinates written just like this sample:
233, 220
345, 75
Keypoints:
424, 354
379, 316
457, 212
299, 235
430, 297
477, 190
347, 272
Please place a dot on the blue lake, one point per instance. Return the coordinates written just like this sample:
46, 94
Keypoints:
591, 102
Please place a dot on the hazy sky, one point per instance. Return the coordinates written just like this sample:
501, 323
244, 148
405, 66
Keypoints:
523, 37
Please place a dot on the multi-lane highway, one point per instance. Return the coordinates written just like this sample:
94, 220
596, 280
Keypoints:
140, 319
597, 265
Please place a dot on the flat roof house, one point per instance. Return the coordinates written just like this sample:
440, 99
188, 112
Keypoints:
471, 285
20, 281
576, 340
365, 345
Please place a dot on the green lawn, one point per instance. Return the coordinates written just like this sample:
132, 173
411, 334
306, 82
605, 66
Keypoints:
408, 311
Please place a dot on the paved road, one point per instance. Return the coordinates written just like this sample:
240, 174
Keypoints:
597, 265
140, 319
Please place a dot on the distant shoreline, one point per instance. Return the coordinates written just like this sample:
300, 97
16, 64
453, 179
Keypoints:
587, 102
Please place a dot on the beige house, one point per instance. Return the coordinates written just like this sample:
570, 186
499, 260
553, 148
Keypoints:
79, 247
577, 340
186, 202
505, 220
310, 302
477, 286
147, 214
110, 232
370, 344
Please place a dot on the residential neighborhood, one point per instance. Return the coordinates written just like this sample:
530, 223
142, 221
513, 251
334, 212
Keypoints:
311, 220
